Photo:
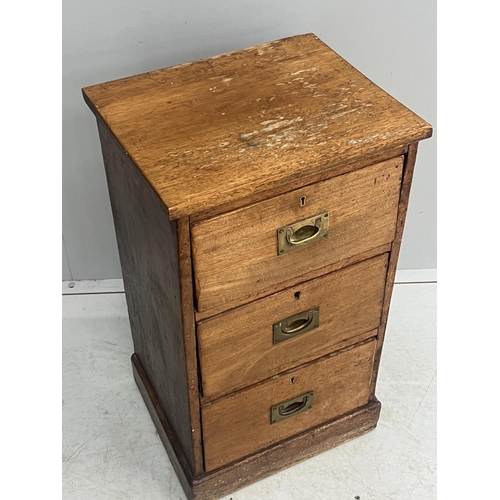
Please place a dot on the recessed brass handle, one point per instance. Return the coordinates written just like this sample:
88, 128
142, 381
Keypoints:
297, 324
292, 407
302, 233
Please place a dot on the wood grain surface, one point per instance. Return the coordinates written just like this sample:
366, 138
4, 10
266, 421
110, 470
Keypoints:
210, 132
236, 349
189, 335
292, 185
235, 255
147, 243
296, 280
216, 484
238, 425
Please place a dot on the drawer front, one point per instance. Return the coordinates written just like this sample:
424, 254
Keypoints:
236, 255
255, 341
241, 424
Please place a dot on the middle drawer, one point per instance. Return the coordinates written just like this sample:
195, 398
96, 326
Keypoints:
284, 330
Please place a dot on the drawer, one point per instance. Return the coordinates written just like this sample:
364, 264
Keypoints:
255, 341
241, 424
236, 255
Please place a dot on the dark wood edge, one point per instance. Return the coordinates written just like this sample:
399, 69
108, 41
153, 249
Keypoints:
265, 463
90, 104
103, 124
404, 197
174, 451
190, 339
298, 182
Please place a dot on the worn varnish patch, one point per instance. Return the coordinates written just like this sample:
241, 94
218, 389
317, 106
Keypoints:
247, 121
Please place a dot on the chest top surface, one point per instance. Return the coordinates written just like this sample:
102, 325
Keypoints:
217, 130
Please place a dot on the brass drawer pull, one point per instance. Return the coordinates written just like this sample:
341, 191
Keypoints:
292, 407
302, 233
296, 325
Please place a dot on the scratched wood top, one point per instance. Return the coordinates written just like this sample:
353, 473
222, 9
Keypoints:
214, 131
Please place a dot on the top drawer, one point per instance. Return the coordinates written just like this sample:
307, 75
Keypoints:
236, 256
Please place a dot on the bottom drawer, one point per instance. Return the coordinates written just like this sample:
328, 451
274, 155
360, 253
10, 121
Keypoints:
241, 424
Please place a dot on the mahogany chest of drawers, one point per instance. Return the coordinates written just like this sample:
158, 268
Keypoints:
259, 199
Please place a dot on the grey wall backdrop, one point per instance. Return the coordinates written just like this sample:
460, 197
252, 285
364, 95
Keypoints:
393, 42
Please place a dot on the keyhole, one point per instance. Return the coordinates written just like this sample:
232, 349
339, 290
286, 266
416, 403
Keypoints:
302, 201
292, 380
297, 295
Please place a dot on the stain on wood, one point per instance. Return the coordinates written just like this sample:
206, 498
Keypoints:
248, 121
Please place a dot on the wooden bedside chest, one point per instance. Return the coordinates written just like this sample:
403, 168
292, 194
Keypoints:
259, 200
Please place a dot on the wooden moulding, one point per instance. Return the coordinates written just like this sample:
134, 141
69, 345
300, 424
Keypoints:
190, 338
232, 477
408, 168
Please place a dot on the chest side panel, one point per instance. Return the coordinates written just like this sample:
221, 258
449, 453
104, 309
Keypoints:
147, 243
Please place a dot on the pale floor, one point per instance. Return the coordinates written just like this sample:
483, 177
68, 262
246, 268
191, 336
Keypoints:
111, 450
